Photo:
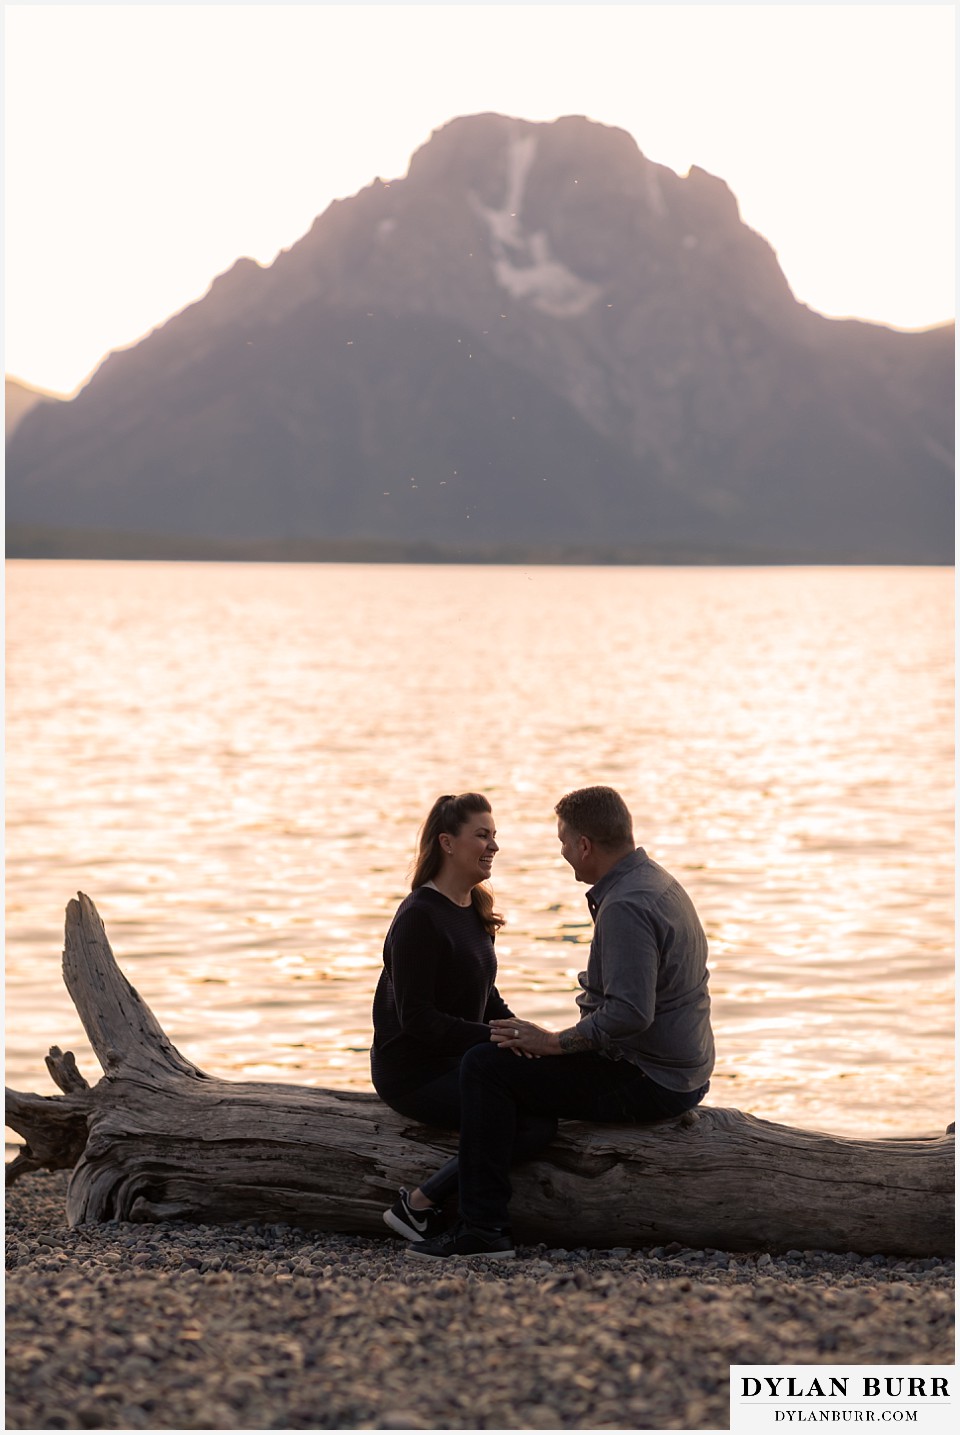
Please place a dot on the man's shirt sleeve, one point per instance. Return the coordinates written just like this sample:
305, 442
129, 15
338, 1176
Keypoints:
620, 987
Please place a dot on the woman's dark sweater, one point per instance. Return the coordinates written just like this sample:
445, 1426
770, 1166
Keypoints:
436, 992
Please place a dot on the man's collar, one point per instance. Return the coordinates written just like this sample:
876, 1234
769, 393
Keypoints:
610, 879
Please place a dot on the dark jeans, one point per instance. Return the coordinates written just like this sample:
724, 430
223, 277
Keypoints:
438, 1104
498, 1092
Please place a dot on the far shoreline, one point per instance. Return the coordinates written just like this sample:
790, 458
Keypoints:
36, 542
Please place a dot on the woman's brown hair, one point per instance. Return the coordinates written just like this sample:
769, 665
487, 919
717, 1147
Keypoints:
448, 814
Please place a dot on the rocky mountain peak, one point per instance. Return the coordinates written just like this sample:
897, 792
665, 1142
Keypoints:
546, 331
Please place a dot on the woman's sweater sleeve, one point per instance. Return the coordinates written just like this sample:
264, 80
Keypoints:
416, 948
496, 1007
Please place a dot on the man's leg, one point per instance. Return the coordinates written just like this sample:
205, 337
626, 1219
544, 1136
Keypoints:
497, 1090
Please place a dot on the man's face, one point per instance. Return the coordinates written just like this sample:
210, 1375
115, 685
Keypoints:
574, 849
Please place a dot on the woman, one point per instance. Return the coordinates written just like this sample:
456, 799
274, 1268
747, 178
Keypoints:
437, 994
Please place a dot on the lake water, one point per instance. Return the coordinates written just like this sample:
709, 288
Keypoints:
233, 761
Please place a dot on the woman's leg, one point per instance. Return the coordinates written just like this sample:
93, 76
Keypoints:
438, 1104
435, 1104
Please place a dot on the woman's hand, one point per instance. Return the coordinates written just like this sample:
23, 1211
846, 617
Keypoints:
524, 1037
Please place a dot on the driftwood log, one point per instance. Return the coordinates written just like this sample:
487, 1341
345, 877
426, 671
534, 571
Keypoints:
157, 1139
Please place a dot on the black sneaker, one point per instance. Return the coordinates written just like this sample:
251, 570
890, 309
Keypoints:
467, 1242
413, 1225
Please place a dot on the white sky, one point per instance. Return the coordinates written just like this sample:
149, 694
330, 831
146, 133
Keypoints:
149, 146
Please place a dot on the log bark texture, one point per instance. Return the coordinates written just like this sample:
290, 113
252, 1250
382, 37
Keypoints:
159, 1139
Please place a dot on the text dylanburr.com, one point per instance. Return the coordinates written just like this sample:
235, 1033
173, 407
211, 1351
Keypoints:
799, 1397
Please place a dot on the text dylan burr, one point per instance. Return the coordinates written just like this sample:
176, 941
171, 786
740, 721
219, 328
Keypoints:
888, 1387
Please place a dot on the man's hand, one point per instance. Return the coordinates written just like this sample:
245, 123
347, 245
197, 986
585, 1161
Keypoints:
524, 1037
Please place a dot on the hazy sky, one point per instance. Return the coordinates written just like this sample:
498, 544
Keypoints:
149, 146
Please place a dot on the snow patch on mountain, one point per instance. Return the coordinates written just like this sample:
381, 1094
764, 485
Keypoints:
505, 223
654, 193
524, 264
545, 282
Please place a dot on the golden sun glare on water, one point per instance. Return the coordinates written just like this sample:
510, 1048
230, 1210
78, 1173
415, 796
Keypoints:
243, 817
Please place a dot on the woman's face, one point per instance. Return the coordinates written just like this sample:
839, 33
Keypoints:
469, 855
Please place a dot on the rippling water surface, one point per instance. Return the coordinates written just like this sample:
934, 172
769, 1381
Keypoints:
233, 760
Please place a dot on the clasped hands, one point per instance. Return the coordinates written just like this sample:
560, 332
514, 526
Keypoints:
524, 1038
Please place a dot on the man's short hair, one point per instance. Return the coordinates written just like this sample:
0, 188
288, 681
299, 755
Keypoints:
599, 813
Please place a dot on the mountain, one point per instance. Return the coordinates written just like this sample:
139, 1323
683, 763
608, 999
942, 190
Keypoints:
538, 341
19, 398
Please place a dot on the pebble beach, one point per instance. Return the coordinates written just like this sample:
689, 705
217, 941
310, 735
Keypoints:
267, 1327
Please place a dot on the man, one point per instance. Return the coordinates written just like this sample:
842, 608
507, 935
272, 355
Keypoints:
642, 1049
